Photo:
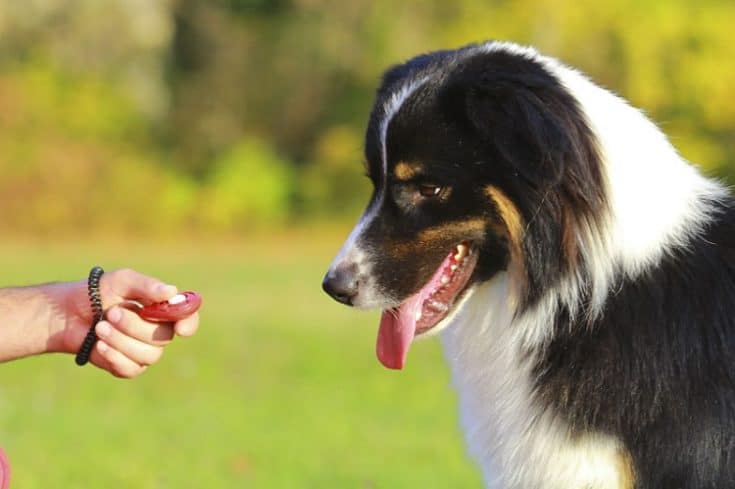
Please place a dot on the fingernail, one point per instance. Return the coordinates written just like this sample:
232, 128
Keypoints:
114, 315
167, 290
102, 346
103, 329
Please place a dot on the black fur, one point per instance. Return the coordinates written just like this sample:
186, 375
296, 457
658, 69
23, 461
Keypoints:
537, 147
657, 369
492, 119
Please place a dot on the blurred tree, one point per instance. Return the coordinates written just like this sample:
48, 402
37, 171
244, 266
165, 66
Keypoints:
119, 42
250, 187
333, 183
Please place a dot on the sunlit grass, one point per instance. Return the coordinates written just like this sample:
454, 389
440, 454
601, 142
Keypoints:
280, 388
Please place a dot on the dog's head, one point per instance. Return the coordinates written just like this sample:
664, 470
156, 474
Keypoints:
481, 162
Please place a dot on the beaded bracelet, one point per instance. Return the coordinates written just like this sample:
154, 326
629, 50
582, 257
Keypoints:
93, 291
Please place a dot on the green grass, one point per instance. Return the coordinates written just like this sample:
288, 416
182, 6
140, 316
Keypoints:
280, 387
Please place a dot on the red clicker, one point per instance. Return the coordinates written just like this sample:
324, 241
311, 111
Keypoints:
176, 308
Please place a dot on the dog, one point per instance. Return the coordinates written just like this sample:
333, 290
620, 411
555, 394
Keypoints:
580, 271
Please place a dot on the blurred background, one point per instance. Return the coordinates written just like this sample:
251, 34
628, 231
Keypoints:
218, 144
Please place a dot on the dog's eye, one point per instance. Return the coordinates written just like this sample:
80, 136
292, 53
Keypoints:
427, 190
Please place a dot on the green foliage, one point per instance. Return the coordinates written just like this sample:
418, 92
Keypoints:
333, 183
157, 115
87, 108
137, 195
250, 186
67, 165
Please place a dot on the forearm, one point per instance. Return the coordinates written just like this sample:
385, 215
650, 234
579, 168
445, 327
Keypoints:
32, 319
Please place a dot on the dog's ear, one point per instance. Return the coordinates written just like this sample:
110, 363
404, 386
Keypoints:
518, 110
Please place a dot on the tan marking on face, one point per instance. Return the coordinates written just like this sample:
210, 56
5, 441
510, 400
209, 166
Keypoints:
471, 229
508, 213
625, 470
513, 228
569, 237
406, 171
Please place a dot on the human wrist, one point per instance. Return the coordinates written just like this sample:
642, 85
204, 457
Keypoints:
69, 307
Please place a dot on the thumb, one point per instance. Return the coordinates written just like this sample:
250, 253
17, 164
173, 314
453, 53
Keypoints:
127, 284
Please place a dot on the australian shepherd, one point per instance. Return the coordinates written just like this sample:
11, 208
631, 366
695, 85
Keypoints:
581, 273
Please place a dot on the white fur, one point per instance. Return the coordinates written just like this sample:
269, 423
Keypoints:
370, 295
657, 199
517, 445
390, 109
351, 252
657, 202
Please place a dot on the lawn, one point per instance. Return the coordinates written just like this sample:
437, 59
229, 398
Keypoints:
280, 388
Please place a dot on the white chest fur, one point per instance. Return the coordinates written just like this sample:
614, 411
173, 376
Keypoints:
516, 443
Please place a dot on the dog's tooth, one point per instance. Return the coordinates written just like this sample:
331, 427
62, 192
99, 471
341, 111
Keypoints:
418, 315
437, 306
461, 252
453, 268
445, 280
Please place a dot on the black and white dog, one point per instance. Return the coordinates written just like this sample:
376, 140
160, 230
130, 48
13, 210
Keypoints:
581, 272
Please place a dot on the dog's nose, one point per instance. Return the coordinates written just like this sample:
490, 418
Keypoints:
341, 283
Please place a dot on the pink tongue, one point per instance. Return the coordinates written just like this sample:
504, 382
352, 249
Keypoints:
397, 329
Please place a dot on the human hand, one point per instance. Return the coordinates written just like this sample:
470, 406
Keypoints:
127, 343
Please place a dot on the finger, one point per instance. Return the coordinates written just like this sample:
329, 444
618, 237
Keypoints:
129, 323
75, 339
129, 284
138, 352
187, 326
119, 365
96, 358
